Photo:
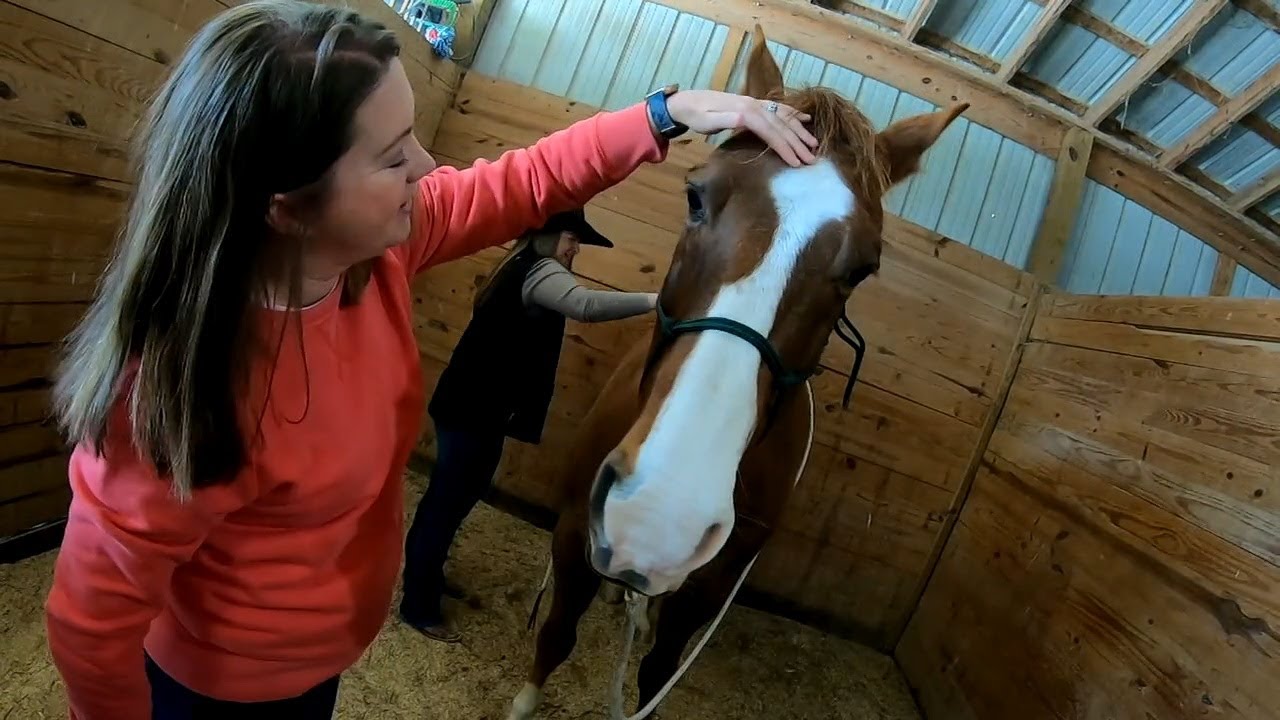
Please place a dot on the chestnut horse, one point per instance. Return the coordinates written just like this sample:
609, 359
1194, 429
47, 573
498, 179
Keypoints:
687, 458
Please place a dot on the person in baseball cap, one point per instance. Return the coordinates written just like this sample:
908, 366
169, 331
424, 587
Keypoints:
498, 384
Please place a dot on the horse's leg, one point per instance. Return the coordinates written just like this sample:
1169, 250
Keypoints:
575, 587
682, 613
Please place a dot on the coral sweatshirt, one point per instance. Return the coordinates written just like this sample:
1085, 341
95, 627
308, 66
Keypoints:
264, 587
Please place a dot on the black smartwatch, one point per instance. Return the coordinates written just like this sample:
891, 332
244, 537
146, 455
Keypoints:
656, 102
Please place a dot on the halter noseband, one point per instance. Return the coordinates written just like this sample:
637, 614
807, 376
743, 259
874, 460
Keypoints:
783, 378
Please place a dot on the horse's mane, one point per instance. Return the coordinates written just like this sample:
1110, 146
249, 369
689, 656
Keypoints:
844, 135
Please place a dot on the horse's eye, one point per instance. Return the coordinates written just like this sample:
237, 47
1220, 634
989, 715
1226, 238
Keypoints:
697, 213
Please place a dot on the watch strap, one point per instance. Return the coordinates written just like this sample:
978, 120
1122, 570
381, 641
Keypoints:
656, 102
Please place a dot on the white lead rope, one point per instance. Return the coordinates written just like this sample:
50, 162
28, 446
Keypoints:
634, 606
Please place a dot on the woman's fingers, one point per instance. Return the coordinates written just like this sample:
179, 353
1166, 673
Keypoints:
757, 121
799, 139
708, 112
779, 135
796, 120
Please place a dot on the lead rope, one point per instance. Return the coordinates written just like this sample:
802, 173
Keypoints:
636, 606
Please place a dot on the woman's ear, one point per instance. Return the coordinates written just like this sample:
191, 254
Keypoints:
903, 142
763, 76
282, 218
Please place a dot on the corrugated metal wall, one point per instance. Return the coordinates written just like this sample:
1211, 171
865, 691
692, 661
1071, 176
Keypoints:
606, 54
977, 187
1118, 247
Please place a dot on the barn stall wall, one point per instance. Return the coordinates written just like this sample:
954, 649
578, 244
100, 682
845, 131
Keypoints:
74, 79
1117, 555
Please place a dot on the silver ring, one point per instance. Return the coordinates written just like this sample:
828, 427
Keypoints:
772, 107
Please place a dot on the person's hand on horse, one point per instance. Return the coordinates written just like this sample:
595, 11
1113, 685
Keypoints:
781, 126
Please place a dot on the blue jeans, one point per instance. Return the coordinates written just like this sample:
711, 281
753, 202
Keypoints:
465, 463
171, 700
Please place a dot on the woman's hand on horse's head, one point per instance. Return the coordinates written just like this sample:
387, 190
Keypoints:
710, 111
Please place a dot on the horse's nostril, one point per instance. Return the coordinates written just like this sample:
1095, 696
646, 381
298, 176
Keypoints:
601, 557
634, 580
711, 540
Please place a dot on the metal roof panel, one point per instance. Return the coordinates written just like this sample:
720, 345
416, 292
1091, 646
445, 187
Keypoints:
1238, 158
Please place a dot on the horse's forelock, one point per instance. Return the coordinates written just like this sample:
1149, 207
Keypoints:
844, 135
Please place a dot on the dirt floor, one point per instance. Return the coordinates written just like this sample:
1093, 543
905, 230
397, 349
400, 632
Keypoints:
757, 665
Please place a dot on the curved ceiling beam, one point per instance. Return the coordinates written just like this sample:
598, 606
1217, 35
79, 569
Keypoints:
1014, 113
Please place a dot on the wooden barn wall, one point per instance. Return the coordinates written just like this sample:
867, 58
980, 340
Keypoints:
981, 188
1119, 553
75, 77
941, 322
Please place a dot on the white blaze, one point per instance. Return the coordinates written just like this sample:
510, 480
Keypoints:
683, 477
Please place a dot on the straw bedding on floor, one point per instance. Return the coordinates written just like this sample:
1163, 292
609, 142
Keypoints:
757, 666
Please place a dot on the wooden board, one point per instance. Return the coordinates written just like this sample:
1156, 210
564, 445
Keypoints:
32, 511
941, 321
73, 98
1119, 555
1064, 205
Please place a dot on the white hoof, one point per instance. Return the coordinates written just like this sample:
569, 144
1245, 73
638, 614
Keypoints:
526, 703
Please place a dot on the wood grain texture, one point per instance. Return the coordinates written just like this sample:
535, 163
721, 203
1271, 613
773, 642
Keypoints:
1120, 553
1060, 214
154, 29
1225, 317
940, 319
30, 511
73, 98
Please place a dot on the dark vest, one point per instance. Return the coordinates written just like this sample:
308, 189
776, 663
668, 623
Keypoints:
502, 373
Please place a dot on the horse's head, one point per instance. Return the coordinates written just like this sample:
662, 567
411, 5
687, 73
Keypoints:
777, 249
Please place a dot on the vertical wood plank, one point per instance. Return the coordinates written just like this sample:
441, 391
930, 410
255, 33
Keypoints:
728, 56
1223, 274
1012, 364
1064, 201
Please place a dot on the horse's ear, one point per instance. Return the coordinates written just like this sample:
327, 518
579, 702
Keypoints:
906, 140
763, 76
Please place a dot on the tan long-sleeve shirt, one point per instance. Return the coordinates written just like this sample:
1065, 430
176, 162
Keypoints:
550, 285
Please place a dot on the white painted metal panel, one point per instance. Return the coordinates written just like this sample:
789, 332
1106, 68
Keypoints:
1246, 284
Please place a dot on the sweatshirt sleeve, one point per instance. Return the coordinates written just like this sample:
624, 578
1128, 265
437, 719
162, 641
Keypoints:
125, 535
459, 212
551, 285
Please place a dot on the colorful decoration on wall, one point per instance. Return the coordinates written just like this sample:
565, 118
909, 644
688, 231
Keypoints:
435, 20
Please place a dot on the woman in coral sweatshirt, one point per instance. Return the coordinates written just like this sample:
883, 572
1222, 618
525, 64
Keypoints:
245, 390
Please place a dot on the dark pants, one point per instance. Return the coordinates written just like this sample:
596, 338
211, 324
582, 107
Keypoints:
170, 700
465, 463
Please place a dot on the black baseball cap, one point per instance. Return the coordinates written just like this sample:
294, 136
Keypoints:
575, 221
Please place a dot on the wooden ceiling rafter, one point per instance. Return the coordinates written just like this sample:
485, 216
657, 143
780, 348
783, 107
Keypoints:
1256, 192
1156, 56
1036, 34
1229, 114
917, 19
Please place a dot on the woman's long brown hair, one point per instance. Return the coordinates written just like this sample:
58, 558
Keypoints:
261, 102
